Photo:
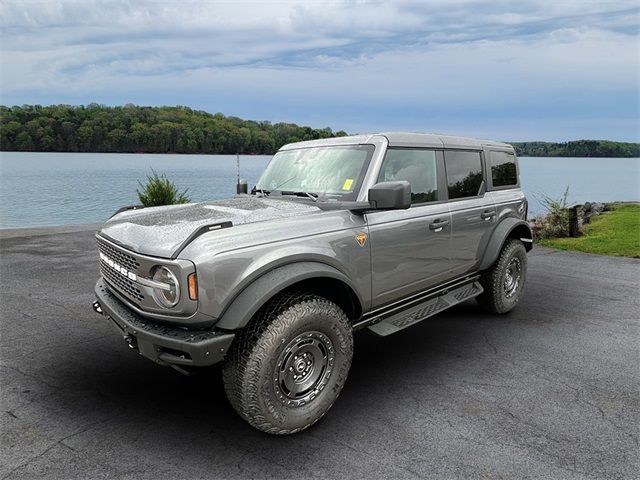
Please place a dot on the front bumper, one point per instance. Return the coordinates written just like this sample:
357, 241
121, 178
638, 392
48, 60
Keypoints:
163, 344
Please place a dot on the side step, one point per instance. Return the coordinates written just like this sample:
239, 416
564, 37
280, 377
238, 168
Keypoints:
397, 321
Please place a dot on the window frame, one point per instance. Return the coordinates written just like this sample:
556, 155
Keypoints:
353, 195
483, 186
489, 180
442, 195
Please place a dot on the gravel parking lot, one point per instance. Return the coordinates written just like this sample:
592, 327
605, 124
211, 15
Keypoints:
550, 391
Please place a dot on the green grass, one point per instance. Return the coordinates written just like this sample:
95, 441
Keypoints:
616, 232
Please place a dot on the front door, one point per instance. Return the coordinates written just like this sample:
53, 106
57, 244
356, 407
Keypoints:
410, 248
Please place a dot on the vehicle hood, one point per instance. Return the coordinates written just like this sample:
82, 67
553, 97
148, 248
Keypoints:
162, 231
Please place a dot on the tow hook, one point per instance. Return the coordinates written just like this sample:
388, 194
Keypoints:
97, 307
132, 343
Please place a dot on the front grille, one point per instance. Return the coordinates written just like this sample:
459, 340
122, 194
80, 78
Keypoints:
118, 281
127, 261
121, 283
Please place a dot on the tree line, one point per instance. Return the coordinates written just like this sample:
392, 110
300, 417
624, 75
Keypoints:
137, 129
577, 148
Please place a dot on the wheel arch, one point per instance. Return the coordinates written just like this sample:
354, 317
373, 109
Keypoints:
311, 277
508, 228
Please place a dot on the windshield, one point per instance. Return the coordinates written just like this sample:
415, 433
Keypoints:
331, 171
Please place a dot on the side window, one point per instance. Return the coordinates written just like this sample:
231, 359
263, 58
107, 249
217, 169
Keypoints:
464, 173
503, 169
416, 166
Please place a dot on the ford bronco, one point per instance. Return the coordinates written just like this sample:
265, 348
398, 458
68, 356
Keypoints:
373, 231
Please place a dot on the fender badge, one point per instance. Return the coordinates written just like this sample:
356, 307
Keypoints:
361, 238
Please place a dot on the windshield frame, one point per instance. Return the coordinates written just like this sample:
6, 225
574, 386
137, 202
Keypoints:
349, 196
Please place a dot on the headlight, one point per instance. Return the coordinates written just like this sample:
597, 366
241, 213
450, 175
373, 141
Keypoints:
166, 297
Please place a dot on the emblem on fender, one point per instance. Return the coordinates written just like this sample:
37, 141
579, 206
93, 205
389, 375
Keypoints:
361, 238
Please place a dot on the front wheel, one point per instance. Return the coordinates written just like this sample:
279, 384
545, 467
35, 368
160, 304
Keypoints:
289, 365
504, 282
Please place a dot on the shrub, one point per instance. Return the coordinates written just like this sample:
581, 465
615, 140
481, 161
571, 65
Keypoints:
556, 222
159, 190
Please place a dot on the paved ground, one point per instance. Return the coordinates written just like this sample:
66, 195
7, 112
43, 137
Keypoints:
549, 391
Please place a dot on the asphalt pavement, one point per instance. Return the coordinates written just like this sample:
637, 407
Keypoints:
551, 390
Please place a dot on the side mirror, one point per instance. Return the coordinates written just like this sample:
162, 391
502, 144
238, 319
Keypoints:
390, 195
382, 196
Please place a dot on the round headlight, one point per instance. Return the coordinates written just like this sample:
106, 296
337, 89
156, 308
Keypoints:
167, 298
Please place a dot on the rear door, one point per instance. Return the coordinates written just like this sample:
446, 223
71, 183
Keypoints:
473, 213
503, 182
410, 248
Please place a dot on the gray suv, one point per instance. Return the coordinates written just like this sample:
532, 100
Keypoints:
372, 232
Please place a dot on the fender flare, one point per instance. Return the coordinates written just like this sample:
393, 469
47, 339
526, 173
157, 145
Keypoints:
245, 305
500, 235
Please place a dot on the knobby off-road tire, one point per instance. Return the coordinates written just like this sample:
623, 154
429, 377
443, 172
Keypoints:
295, 334
504, 283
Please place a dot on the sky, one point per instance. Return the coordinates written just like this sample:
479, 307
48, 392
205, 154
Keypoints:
505, 70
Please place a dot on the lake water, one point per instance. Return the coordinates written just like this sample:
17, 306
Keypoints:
42, 189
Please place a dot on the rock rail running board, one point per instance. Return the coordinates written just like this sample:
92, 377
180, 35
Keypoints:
395, 322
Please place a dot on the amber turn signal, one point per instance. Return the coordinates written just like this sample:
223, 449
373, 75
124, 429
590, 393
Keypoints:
192, 279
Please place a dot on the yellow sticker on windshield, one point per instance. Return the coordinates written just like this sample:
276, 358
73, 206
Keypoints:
347, 184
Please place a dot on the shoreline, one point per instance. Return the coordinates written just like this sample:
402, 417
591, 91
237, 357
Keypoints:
270, 154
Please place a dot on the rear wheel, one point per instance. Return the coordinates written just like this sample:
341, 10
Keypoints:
289, 365
504, 283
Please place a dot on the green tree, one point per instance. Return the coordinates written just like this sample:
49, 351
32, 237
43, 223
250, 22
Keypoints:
24, 142
84, 138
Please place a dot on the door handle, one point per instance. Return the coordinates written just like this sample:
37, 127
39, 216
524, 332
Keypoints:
437, 225
487, 215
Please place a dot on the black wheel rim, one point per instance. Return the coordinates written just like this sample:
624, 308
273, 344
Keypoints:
512, 277
303, 368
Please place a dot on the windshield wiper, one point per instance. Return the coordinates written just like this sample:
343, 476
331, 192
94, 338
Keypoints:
312, 196
266, 193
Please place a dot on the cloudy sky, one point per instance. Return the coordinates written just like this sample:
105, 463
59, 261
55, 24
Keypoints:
512, 70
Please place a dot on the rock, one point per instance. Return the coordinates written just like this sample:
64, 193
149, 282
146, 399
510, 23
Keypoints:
598, 207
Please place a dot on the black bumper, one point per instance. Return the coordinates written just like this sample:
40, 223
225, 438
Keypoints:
163, 344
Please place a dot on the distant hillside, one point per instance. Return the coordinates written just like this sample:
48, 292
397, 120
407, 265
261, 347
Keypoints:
577, 148
134, 129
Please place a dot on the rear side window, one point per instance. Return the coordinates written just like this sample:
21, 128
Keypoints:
416, 166
464, 173
503, 169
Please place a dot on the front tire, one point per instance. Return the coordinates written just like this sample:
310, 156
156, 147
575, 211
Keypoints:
289, 365
504, 283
